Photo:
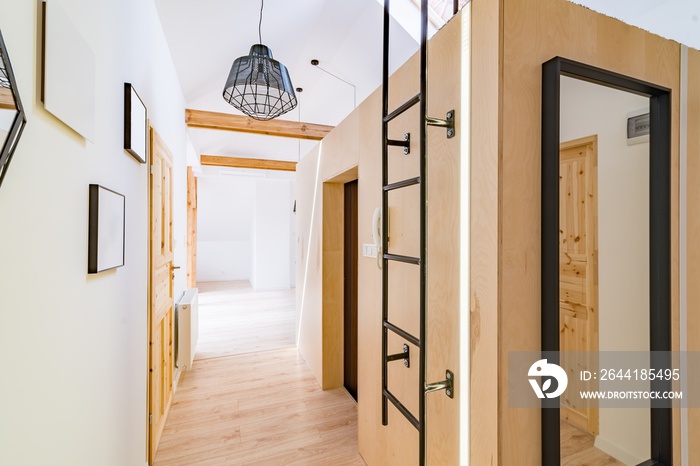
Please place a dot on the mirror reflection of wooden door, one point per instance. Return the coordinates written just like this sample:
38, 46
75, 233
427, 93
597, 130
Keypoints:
161, 364
578, 273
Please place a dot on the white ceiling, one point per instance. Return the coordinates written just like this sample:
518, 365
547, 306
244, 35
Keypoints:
205, 36
678, 20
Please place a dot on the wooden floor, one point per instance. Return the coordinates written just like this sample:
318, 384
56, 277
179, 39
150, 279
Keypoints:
233, 319
255, 408
577, 449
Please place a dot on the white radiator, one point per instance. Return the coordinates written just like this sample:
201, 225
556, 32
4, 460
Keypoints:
186, 328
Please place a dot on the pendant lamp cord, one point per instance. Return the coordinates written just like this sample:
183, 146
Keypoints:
262, 4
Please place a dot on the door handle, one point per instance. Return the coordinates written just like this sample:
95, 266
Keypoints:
174, 267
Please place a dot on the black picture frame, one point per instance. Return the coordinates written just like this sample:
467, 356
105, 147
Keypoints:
7, 81
106, 231
659, 240
135, 124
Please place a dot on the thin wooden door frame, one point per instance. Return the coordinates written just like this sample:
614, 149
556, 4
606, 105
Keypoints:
332, 278
149, 266
659, 240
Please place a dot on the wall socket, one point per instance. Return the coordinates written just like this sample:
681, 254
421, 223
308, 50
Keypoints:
370, 250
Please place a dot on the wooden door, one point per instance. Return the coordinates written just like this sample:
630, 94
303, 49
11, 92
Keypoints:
161, 363
191, 229
578, 273
350, 290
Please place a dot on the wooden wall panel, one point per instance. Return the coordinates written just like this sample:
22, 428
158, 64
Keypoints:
404, 224
532, 33
340, 151
693, 231
443, 155
486, 63
396, 443
357, 140
372, 438
333, 303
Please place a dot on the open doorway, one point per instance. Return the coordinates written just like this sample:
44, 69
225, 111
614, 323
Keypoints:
350, 253
245, 261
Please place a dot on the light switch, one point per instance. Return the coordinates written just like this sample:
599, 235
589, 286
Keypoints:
369, 250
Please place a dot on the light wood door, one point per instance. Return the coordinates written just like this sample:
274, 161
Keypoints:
161, 364
578, 273
191, 229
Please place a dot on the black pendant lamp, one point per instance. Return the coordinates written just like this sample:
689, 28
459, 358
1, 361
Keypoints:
259, 85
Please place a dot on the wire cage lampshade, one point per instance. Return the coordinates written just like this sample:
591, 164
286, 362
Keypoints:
259, 85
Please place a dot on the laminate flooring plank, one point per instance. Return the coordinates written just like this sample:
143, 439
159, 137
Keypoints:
239, 407
577, 449
234, 319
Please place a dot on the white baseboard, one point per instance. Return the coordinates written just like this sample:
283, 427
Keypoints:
176, 380
618, 453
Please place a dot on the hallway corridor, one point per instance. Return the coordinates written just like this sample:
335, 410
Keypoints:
234, 319
259, 407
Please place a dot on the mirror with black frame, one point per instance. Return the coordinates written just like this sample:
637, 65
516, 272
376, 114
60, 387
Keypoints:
12, 117
605, 257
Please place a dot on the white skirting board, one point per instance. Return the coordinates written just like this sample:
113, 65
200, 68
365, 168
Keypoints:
616, 452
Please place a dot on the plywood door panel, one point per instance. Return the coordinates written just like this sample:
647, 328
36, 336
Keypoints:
161, 364
532, 33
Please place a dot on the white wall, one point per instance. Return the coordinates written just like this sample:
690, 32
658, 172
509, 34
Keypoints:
73, 388
246, 227
292, 235
225, 208
623, 237
272, 235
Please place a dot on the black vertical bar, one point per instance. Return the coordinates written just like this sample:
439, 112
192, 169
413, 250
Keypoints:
455, 7
659, 267
549, 252
423, 458
385, 207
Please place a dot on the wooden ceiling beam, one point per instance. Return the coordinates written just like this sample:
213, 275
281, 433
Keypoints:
228, 122
237, 162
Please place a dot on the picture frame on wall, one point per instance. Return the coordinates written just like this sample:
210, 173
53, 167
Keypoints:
68, 80
135, 124
106, 229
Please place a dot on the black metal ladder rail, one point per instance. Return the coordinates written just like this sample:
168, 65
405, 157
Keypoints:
421, 261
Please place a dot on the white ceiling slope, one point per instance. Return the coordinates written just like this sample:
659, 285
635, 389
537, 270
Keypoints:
678, 20
206, 36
